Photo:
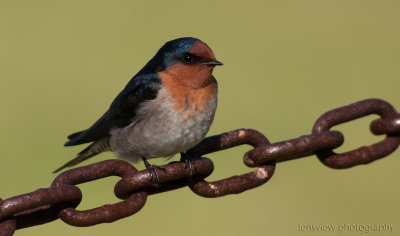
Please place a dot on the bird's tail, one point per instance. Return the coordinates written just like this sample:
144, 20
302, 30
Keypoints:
93, 149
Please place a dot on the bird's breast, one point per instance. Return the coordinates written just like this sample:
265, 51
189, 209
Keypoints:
175, 121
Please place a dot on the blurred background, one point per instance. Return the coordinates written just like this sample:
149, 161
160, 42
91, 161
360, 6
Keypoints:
286, 63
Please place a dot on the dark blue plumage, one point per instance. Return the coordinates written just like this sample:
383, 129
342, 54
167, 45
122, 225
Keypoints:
122, 110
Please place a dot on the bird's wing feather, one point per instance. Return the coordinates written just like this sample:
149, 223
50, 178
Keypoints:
122, 110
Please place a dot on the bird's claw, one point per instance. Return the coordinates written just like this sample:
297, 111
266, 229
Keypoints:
153, 170
189, 162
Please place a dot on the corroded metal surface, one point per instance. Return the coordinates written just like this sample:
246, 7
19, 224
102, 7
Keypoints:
62, 197
362, 155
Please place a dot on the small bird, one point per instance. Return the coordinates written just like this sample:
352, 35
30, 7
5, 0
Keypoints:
165, 109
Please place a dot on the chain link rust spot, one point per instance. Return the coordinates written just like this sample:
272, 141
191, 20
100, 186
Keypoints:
361, 155
234, 184
106, 213
227, 140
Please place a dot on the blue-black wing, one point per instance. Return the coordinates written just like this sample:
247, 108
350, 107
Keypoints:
122, 110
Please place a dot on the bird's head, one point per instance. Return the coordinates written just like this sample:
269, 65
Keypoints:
187, 52
188, 60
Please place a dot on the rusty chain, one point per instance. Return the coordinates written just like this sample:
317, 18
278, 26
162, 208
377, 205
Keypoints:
62, 197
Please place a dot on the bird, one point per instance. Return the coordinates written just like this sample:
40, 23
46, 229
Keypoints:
165, 109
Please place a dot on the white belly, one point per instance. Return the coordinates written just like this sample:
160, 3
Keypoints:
159, 131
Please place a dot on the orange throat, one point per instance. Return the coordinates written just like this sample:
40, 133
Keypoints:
191, 87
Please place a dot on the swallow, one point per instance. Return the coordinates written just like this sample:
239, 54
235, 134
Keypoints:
165, 109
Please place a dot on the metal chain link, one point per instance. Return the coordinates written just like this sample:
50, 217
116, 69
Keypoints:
61, 199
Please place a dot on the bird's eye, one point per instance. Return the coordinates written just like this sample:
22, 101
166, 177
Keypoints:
187, 58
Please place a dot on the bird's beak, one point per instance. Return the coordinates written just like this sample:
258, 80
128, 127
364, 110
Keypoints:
213, 63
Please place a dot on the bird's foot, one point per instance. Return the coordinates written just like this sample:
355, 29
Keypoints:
189, 162
153, 170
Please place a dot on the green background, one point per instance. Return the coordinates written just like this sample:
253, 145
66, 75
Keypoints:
286, 63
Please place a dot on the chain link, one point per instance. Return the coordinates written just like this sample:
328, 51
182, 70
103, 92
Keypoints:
362, 155
62, 197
